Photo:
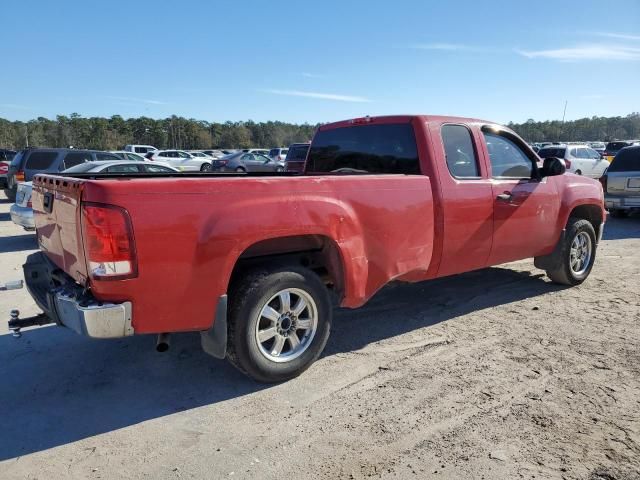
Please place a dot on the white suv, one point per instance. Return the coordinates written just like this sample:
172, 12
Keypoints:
579, 159
141, 149
183, 161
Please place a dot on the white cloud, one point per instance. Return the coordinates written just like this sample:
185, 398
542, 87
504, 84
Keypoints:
137, 100
311, 75
322, 96
585, 52
620, 36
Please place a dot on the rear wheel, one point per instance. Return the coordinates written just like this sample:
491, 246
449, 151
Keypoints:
279, 322
572, 260
578, 172
240, 170
205, 167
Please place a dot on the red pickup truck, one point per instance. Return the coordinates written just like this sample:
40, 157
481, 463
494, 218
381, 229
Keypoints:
255, 262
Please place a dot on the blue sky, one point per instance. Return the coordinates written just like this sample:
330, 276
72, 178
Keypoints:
319, 61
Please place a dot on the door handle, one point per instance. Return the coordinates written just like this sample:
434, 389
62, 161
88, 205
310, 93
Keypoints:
506, 196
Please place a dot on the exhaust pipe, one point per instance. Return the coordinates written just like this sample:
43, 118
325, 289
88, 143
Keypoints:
163, 342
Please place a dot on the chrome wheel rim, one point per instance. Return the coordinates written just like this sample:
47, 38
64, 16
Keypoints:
286, 325
581, 252
205, 168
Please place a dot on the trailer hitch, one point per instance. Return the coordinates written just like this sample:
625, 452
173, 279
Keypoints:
16, 323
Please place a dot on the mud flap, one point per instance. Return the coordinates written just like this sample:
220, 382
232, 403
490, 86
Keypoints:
214, 340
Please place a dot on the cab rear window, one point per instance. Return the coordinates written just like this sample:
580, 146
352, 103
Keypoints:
552, 152
386, 148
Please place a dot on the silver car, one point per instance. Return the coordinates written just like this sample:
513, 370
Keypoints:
124, 166
21, 211
248, 162
621, 182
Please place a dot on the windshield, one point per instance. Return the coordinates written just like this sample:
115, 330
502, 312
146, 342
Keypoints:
80, 168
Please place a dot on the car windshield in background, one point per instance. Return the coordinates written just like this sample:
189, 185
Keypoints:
627, 160
552, 152
82, 167
615, 146
386, 148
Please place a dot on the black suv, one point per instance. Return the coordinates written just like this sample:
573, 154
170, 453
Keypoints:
30, 161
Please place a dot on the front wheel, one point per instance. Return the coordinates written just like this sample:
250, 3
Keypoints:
572, 260
279, 322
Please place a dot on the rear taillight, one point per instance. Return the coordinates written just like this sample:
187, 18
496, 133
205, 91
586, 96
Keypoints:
567, 163
29, 204
19, 176
4, 168
108, 242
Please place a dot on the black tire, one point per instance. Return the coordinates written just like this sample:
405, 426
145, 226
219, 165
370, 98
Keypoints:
10, 193
578, 172
617, 213
240, 170
558, 264
279, 169
248, 297
205, 167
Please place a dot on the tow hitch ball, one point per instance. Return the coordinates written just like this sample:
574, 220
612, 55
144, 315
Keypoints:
16, 323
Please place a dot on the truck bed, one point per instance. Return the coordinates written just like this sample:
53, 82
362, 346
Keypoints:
190, 231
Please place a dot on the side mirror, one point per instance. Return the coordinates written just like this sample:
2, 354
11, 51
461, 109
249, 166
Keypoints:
553, 166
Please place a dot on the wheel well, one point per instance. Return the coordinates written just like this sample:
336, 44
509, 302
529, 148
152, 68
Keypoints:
315, 252
592, 213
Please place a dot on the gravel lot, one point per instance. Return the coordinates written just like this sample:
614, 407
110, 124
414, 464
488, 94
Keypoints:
492, 374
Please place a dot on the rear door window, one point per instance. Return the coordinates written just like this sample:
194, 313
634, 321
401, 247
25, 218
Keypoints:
157, 169
40, 160
76, 158
551, 152
385, 148
297, 154
460, 154
627, 160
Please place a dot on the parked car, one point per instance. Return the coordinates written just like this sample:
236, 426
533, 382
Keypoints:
124, 155
21, 211
30, 161
122, 166
199, 154
278, 154
5, 159
141, 149
181, 160
598, 147
257, 264
621, 183
296, 157
248, 162
613, 148
259, 151
579, 159
215, 153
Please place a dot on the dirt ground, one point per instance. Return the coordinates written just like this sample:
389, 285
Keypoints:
492, 374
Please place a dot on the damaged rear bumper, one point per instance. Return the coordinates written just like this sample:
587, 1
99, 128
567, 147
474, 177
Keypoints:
68, 304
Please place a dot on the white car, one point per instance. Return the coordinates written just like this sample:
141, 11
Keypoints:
124, 166
124, 155
183, 161
579, 159
199, 154
141, 149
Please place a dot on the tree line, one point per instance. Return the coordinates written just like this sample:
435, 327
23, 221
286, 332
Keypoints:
177, 132
601, 129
